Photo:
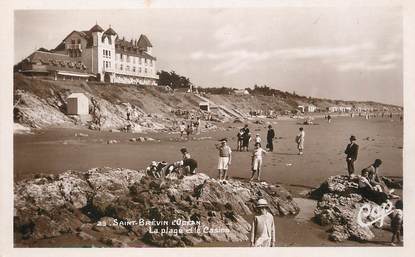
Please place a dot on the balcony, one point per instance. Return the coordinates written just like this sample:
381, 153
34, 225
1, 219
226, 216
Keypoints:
74, 47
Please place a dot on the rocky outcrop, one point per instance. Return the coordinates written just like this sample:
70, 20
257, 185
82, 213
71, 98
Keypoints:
338, 206
36, 112
126, 205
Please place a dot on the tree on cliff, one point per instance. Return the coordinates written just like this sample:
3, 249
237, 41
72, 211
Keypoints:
173, 80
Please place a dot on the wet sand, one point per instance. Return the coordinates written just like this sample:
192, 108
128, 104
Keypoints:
58, 150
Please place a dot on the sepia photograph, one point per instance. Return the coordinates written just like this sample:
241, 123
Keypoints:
208, 127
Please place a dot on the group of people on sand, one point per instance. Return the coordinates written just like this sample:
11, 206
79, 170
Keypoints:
372, 187
189, 128
370, 184
186, 166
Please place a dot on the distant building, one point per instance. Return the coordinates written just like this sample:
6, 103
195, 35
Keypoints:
339, 109
310, 108
98, 53
77, 104
241, 92
333, 109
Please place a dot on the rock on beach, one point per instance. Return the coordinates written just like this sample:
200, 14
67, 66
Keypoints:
338, 206
190, 210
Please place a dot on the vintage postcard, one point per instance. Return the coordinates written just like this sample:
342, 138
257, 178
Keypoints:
234, 127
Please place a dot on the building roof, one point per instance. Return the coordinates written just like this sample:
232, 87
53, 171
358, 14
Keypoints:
110, 31
76, 95
143, 42
96, 28
86, 34
54, 61
131, 48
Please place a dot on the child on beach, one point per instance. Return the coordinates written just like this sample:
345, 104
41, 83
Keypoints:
225, 159
257, 138
397, 222
257, 161
263, 227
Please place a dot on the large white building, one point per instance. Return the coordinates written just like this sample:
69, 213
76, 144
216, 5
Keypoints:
102, 54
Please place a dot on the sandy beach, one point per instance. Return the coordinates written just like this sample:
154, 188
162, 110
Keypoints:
56, 150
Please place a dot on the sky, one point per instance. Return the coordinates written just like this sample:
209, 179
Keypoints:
344, 52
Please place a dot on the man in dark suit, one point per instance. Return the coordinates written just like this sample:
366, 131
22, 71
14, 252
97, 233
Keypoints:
270, 137
351, 151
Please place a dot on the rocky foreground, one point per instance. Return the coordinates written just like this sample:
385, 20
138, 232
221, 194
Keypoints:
339, 204
117, 207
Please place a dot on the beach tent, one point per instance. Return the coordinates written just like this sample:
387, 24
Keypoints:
78, 104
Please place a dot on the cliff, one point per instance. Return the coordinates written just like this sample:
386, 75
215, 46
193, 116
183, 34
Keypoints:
42, 103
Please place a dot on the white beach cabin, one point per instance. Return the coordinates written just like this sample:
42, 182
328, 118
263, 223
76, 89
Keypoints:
78, 104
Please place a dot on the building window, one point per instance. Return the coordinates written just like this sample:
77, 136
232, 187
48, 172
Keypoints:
121, 67
139, 70
133, 69
128, 68
145, 70
121, 57
109, 53
79, 40
73, 41
103, 64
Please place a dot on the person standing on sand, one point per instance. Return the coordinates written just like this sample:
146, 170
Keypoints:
329, 118
351, 152
263, 227
397, 222
257, 161
240, 137
182, 128
270, 138
189, 130
246, 138
299, 139
225, 158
